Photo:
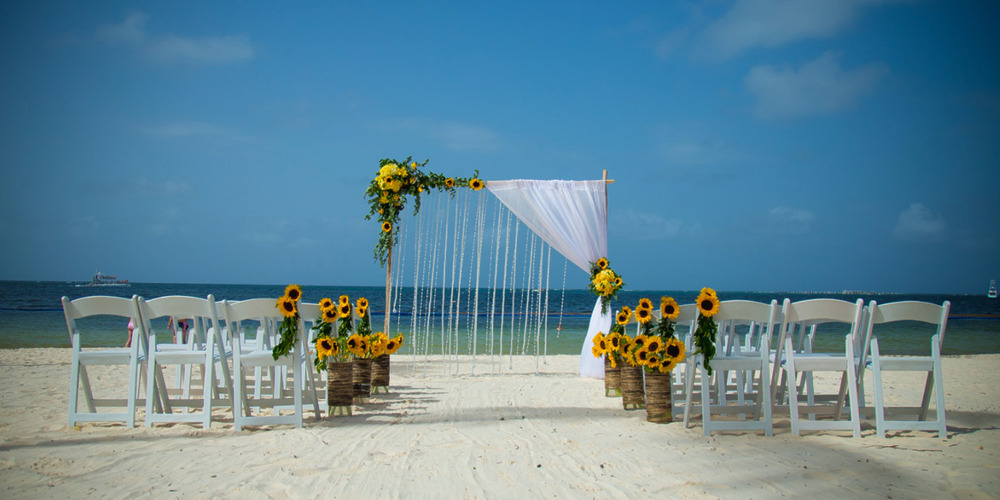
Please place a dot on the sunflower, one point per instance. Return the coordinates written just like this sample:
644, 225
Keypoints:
645, 303
708, 305
667, 365
362, 302
394, 344
641, 356
378, 349
293, 292
654, 343
357, 345
287, 307
330, 315
386, 227
344, 299
708, 291
653, 360
669, 308
643, 315
623, 316
614, 340
602, 263
326, 303
449, 182
344, 310
362, 312
618, 281
476, 184
639, 341
675, 350
325, 346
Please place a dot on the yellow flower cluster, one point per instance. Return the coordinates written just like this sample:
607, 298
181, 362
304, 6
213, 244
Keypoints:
288, 330
391, 178
609, 345
708, 302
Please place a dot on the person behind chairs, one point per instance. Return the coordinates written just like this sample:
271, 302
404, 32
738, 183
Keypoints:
183, 324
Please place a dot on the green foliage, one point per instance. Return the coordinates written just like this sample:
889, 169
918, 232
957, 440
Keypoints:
704, 340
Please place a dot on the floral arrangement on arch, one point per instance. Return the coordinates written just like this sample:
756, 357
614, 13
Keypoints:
604, 282
348, 343
387, 195
649, 349
288, 330
704, 335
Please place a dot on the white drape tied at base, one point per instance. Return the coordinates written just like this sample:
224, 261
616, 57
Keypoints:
571, 216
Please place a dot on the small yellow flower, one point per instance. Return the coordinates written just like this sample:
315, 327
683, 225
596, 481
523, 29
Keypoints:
449, 182
330, 315
602, 263
393, 344
344, 310
643, 316
654, 343
387, 227
362, 312
645, 303
287, 307
675, 350
293, 292
669, 308
344, 299
476, 184
325, 303
708, 305
325, 346
362, 302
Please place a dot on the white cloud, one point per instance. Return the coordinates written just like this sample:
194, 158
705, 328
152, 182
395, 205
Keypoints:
787, 220
213, 50
771, 23
919, 223
818, 87
174, 48
645, 226
177, 130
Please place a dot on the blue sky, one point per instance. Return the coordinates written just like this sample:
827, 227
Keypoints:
756, 145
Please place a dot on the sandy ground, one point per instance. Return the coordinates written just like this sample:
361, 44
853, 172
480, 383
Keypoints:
519, 434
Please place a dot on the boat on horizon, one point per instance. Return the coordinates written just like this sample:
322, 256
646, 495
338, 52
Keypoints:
101, 279
993, 290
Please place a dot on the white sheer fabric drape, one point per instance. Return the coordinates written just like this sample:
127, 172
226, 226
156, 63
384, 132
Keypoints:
571, 216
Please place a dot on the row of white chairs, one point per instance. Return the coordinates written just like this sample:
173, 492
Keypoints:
765, 364
217, 340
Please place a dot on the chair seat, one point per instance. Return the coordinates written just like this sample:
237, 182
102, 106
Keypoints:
820, 362
106, 357
908, 363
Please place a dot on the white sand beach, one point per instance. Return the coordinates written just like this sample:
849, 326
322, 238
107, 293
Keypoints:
515, 435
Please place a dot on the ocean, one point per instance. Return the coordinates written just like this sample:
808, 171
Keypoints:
31, 316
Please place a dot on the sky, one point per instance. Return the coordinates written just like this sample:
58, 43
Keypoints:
757, 145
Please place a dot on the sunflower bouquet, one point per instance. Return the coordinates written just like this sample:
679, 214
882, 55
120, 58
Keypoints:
288, 330
669, 311
704, 336
382, 344
614, 344
396, 180
328, 345
604, 282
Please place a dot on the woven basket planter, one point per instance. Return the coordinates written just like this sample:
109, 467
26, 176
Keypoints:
380, 374
612, 379
658, 391
633, 397
362, 379
339, 386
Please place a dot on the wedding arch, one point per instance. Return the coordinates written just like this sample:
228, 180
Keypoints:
482, 264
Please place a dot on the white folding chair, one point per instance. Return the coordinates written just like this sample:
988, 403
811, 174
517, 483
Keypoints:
810, 313
208, 356
682, 381
121, 310
924, 312
751, 369
264, 311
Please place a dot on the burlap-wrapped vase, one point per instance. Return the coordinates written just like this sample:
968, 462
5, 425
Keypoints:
380, 374
658, 392
339, 387
612, 379
362, 379
632, 387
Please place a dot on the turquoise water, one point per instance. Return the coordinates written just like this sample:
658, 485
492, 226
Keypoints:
31, 316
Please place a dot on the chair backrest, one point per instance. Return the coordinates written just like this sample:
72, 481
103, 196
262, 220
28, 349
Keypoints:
180, 306
263, 310
758, 314
818, 311
100, 305
909, 310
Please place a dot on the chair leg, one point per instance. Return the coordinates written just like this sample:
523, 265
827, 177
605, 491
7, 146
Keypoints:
877, 382
706, 405
939, 389
793, 393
